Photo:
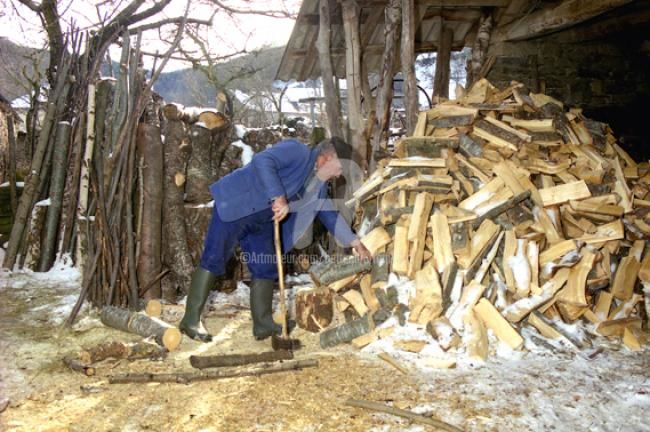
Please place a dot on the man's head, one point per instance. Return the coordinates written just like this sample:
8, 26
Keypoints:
328, 165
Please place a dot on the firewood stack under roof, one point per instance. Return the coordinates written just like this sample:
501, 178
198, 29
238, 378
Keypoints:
510, 213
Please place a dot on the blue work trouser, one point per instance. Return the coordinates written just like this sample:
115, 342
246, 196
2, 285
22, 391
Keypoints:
254, 233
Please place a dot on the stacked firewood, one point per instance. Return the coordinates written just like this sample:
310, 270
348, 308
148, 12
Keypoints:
508, 213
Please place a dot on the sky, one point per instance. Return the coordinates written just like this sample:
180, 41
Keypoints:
227, 35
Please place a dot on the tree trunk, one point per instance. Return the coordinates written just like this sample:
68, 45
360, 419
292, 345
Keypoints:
353, 78
199, 172
33, 182
385, 87
332, 100
140, 324
84, 182
314, 309
176, 255
59, 164
13, 194
33, 238
149, 261
441, 78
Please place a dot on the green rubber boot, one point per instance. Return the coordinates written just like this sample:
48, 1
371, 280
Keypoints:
262, 309
202, 282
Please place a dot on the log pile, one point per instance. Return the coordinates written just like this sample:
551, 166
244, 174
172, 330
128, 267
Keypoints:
510, 215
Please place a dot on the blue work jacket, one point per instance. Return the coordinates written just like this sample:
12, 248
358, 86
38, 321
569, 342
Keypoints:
281, 170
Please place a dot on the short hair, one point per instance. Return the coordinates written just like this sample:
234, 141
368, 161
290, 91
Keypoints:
334, 145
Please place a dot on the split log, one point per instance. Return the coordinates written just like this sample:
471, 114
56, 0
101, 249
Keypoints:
314, 309
190, 377
204, 362
475, 337
501, 328
140, 324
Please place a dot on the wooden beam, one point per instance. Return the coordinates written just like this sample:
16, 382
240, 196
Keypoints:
353, 78
409, 26
565, 15
441, 78
332, 99
445, 3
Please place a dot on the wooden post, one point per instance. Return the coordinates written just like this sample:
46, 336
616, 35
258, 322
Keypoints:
332, 100
385, 86
479, 49
441, 78
353, 78
84, 182
408, 65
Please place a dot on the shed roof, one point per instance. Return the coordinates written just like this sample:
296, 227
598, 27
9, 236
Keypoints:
515, 20
300, 60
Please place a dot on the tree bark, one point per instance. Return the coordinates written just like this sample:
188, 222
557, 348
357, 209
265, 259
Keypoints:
441, 78
33, 182
199, 166
203, 362
59, 164
33, 238
84, 182
140, 324
149, 261
189, 377
385, 87
332, 99
11, 134
408, 65
176, 254
340, 269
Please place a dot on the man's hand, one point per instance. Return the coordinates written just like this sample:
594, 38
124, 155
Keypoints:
280, 208
361, 250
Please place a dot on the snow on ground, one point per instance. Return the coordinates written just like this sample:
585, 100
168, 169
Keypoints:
539, 390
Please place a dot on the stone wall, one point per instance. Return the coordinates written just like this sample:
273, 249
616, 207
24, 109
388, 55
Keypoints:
608, 78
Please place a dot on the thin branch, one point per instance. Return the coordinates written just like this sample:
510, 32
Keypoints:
33, 6
268, 13
167, 21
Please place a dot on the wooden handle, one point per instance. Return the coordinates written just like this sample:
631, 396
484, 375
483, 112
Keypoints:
278, 256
